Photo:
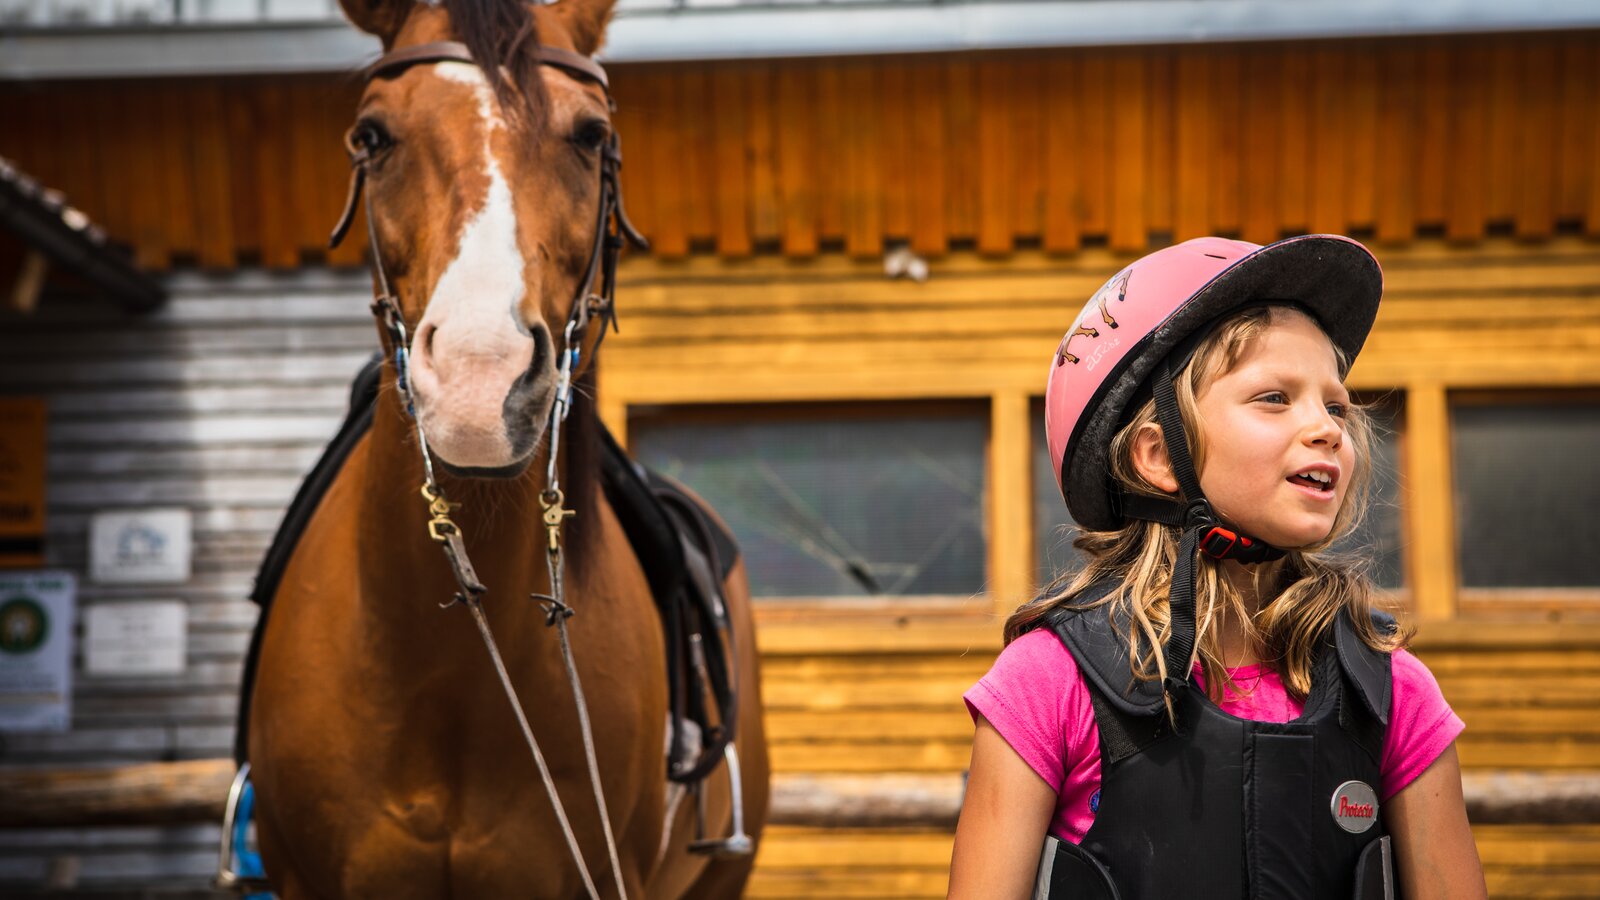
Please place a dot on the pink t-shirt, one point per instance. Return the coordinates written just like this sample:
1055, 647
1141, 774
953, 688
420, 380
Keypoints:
1035, 697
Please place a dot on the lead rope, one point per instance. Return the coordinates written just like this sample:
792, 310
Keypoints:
443, 530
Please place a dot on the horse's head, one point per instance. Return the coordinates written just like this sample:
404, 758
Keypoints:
484, 186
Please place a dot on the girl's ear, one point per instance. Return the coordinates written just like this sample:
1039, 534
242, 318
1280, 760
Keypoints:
1150, 458
586, 22
382, 18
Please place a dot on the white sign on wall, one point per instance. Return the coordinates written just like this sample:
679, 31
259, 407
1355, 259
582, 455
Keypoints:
36, 650
144, 637
139, 546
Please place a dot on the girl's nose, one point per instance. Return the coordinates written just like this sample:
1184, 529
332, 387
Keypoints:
1324, 428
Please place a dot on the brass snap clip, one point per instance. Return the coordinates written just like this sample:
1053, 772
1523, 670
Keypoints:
554, 516
440, 526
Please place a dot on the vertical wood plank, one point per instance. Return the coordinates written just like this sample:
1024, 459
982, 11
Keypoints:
766, 208
1361, 135
694, 165
793, 117
175, 107
1192, 212
1096, 144
863, 197
929, 234
1294, 141
961, 154
308, 154
1227, 156
78, 122
1329, 143
1591, 218
275, 177
1010, 501
1262, 93
828, 134
1576, 120
238, 101
1428, 490
733, 205
994, 171
1160, 135
1500, 162
1395, 180
613, 412
1062, 208
671, 144
148, 200
634, 123
1465, 198
115, 122
213, 179
1538, 151
895, 156
1129, 117
1435, 127
1026, 87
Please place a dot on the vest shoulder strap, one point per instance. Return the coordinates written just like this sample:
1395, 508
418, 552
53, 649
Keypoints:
1097, 639
1369, 669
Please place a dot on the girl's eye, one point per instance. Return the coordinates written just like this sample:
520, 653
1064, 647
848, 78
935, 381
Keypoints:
1274, 397
1338, 410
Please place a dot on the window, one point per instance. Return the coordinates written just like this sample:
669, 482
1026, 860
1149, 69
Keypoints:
1053, 528
1526, 489
836, 501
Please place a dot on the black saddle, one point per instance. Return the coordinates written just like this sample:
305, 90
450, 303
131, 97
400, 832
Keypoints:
685, 553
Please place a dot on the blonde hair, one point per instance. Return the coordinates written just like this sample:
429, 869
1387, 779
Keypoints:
1303, 591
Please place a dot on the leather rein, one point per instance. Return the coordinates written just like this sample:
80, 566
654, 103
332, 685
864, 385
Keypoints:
611, 229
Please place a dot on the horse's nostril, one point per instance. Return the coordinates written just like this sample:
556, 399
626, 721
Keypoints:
541, 348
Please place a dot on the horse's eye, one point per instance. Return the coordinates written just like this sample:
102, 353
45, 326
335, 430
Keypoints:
370, 135
591, 134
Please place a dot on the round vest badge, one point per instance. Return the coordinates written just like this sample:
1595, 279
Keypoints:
1355, 806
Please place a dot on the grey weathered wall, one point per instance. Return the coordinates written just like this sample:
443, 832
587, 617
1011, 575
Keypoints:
218, 403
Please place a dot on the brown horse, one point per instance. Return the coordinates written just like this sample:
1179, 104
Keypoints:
386, 759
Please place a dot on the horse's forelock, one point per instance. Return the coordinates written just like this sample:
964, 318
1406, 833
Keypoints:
504, 39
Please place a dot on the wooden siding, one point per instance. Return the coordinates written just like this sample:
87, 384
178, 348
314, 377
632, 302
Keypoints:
1460, 137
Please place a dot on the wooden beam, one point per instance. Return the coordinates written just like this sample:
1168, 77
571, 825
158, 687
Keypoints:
1010, 501
195, 791
30, 282
1429, 488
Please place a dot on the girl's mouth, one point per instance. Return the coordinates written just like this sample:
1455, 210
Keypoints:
1311, 486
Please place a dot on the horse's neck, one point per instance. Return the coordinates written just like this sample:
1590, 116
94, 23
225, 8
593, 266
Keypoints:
405, 575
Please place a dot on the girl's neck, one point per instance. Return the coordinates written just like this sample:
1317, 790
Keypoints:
1255, 585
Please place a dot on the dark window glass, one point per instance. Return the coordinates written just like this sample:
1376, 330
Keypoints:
1378, 535
824, 504
1526, 491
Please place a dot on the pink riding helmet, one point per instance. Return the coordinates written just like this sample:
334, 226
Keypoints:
1149, 308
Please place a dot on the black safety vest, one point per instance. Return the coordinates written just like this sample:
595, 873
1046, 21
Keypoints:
1223, 806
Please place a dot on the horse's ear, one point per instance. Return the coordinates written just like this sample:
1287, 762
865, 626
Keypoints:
378, 17
586, 22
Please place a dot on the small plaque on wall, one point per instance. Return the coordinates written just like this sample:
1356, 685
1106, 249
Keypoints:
145, 637
140, 546
36, 650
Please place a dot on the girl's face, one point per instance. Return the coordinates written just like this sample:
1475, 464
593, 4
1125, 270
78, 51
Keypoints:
1277, 460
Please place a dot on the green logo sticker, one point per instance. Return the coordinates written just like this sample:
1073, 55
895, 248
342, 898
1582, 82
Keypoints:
23, 625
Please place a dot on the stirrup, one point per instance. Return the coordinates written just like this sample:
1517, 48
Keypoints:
239, 868
737, 843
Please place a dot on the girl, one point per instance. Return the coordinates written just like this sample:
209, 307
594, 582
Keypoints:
1212, 706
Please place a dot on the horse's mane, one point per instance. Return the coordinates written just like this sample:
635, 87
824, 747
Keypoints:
504, 39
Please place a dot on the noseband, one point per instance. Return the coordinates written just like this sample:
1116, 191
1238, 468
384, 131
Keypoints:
611, 229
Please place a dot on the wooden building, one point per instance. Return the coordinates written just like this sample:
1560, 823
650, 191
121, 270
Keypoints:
772, 191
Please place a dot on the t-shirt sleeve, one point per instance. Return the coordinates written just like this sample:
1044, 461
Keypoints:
1035, 698
1421, 724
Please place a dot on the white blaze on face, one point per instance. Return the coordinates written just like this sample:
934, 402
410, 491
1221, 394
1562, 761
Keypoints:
478, 345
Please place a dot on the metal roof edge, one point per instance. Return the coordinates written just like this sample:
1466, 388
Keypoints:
800, 30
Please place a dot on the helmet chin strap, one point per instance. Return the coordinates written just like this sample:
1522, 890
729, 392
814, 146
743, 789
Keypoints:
1200, 528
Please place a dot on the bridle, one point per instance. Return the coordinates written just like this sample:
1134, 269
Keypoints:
611, 229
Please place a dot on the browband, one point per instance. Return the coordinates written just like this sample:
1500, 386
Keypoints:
455, 51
